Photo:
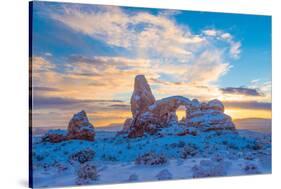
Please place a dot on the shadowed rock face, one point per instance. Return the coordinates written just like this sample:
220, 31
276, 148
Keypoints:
54, 136
126, 126
149, 115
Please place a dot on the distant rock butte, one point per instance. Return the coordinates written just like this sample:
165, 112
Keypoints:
79, 127
150, 115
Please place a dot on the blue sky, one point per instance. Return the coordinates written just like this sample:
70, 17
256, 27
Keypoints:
253, 31
81, 50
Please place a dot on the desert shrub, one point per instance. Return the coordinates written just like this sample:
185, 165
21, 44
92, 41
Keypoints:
208, 168
249, 156
254, 146
39, 157
217, 158
181, 144
151, 159
251, 169
233, 146
83, 156
133, 177
108, 157
86, 173
224, 142
164, 175
173, 145
189, 151
60, 167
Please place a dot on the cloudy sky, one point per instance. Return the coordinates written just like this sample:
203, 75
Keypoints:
86, 57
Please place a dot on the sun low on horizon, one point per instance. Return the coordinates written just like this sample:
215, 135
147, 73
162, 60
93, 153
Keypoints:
86, 58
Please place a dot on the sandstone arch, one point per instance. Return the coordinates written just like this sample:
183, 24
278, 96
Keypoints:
150, 115
165, 109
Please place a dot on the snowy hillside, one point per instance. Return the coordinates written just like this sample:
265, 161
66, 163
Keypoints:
115, 159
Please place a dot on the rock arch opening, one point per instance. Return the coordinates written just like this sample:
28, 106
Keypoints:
181, 114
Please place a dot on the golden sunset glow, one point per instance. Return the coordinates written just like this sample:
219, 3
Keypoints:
180, 114
102, 119
115, 117
248, 113
238, 113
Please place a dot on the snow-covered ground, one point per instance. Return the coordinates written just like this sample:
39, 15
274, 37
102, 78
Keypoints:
114, 158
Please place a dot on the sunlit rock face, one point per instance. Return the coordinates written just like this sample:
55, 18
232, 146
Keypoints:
213, 105
165, 109
209, 116
150, 115
142, 96
79, 127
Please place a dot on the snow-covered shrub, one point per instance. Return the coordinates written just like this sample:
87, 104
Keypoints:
164, 175
86, 173
133, 178
108, 157
255, 146
249, 156
251, 169
39, 157
217, 158
208, 168
181, 144
189, 151
233, 146
151, 159
61, 167
83, 156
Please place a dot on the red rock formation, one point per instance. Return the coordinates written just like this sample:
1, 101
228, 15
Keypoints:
215, 105
54, 136
150, 115
142, 96
210, 116
79, 127
142, 123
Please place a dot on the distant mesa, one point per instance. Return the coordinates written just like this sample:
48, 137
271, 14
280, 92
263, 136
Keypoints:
150, 115
79, 128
